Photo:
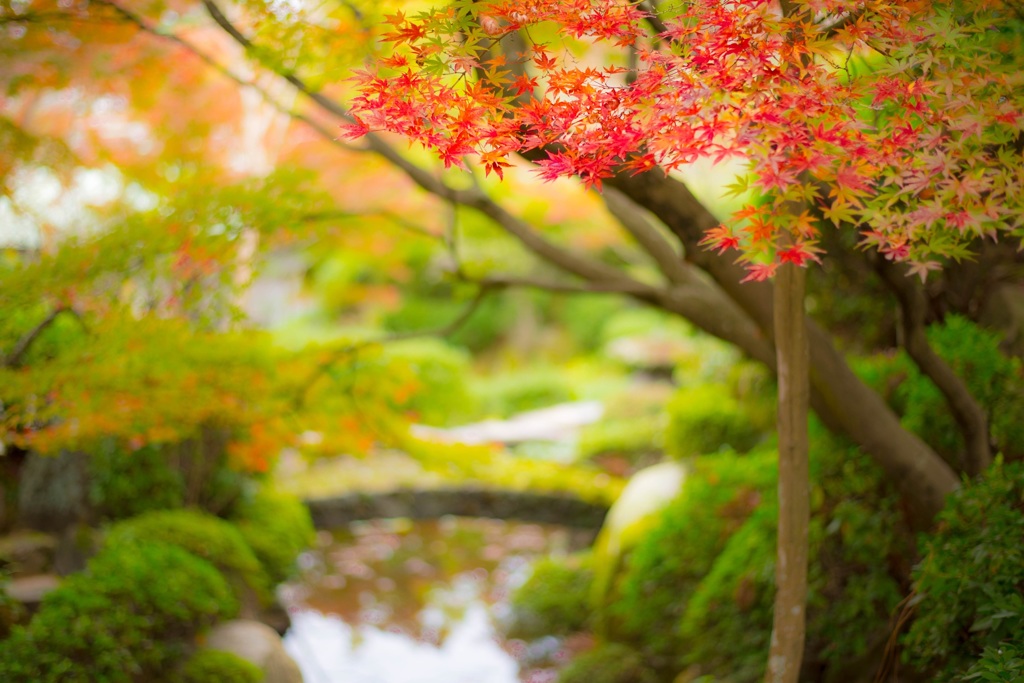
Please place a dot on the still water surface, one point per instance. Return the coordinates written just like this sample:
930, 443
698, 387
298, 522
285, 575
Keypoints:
421, 602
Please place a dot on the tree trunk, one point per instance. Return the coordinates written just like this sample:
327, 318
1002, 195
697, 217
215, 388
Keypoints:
788, 629
840, 397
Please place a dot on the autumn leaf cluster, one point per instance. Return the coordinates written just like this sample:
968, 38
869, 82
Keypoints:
899, 118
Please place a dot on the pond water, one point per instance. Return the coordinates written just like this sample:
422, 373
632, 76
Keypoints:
394, 601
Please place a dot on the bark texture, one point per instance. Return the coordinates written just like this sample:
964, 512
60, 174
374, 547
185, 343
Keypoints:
790, 610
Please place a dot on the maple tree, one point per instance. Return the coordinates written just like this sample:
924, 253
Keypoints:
899, 119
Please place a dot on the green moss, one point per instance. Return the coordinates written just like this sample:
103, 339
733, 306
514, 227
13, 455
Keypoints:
277, 527
214, 666
970, 582
555, 600
12, 612
720, 492
205, 536
129, 617
706, 419
585, 316
484, 464
608, 663
698, 589
727, 623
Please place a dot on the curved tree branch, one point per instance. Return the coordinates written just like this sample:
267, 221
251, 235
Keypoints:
970, 417
446, 330
16, 357
839, 397
664, 254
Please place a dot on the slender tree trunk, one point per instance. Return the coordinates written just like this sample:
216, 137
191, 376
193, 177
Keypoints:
841, 398
788, 629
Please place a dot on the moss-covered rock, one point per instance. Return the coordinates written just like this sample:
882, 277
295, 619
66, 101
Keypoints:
129, 617
637, 509
211, 538
650, 594
214, 666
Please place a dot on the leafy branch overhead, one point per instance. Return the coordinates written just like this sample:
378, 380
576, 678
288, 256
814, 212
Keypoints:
906, 116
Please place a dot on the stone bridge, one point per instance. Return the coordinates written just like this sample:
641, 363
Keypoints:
538, 508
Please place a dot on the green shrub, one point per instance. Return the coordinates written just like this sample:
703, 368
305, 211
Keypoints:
524, 390
555, 600
632, 438
440, 370
12, 612
192, 472
125, 484
970, 582
994, 379
128, 618
214, 666
483, 328
706, 419
698, 589
608, 663
633, 423
720, 492
277, 527
643, 321
1002, 663
726, 626
211, 538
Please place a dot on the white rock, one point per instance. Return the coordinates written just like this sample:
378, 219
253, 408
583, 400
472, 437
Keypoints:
257, 643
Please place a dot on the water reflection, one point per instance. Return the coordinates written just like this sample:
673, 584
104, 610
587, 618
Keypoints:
329, 650
403, 602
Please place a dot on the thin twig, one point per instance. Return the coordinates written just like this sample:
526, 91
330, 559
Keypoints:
341, 353
399, 221
17, 355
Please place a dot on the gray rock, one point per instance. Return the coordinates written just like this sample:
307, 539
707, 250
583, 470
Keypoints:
30, 590
256, 643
